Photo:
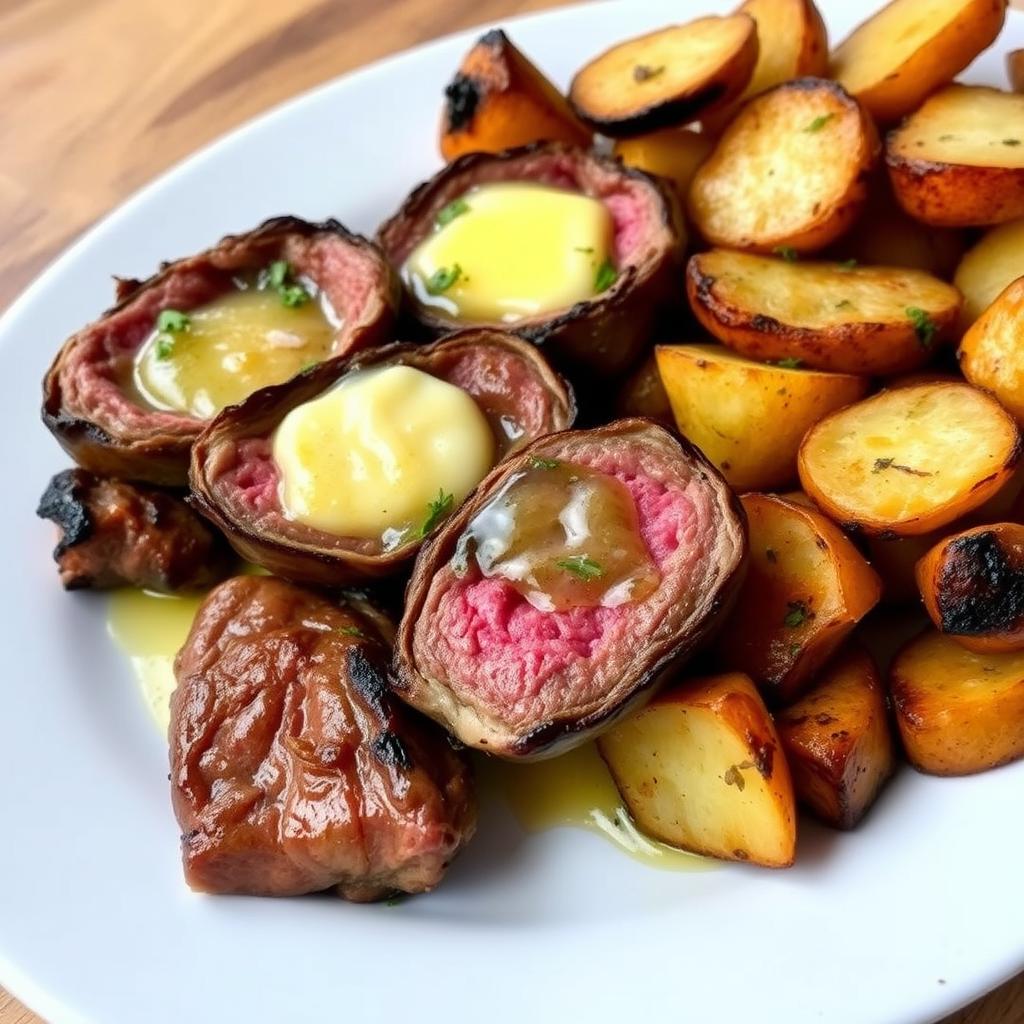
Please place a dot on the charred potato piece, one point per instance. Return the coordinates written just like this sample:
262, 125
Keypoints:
674, 154
958, 712
828, 316
643, 394
701, 768
749, 418
908, 461
892, 61
807, 586
667, 77
990, 352
793, 43
993, 262
959, 160
499, 99
790, 170
972, 585
837, 741
1015, 69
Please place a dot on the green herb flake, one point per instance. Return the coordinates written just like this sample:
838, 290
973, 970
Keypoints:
789, 363
538, 463
172, 321
443, 278
587, 250
818, 123
795, 649
278, 273
796, 615
395, 901
644, 72
924, 326
847, 265
844, 304
437, 510
294, 295
787, 252
883, 464
164, 347
352, 631
946, 138
456, 208
606, 276
1011, 142
581, 567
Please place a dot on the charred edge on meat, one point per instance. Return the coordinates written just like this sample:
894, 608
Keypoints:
389, 749
62, 503
368, 681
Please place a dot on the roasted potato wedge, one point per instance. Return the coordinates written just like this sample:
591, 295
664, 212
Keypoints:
674, 154
972, 585
643, 394
807, 586
793, 43
892, 61
790, 171
992, 263
747, 417
668, 77
959, 160
837, 740
958, 712
498, 100
828, 316
991, 354
1015, 69
909, 460
701, 768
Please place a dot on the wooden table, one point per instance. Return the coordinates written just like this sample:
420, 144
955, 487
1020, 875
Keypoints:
102, 95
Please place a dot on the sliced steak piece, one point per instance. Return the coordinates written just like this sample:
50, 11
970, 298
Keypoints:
293, 770
114, 534
527, 641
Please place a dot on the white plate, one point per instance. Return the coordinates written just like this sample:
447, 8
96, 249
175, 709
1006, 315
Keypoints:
912, 915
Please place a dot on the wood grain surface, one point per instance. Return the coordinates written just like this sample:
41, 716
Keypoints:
102, 95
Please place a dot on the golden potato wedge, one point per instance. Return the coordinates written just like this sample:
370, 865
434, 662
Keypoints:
498, 99
643, 394
972, 585
701, 768
909, 460
866, 320
959, 160
991, 355
749, 418
793, 43
807, 586
666, 78
1015, 69
958, 712
790, 171
675, 154
837, 740
892, 61
993, 262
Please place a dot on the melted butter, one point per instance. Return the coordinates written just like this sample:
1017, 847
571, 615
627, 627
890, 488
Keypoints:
384, 454
564, 536
577, 790
508, 251
244, 340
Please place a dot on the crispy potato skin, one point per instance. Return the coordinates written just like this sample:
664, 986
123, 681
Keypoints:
736, 198
838, 742
691, 68
702, 768
990, 353
958, 712
841, 346
753, 441
895, 85
807, 586
498, 100
972, 585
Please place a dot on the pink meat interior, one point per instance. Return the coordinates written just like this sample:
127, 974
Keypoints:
524, 664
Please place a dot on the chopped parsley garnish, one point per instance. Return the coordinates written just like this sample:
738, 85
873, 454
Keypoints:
279, 277
587, 250
797, 614
787, 252
437, 510
843, 304
847, 264
581, 567
884, 464
789, 363
1011, 142
946, 138
164, 347
605, 277
172, 321
924, 326
456, 208
644, 72
278, 273
538, 463
819, 122
293, 295
443, 278
352, 631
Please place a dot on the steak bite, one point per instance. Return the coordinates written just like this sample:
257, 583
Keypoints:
237, 482
578, 575
602, 332
114, 534
91, 396
293, 770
